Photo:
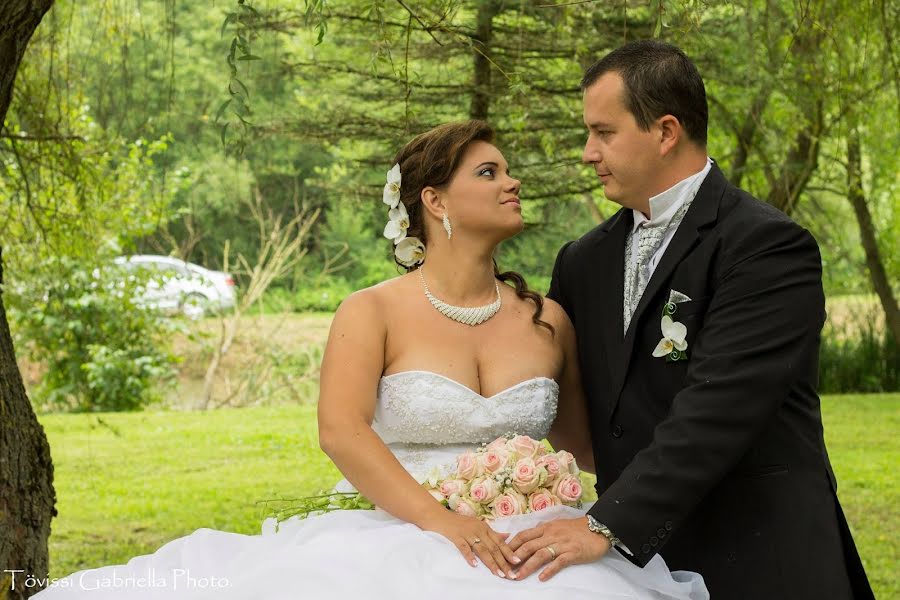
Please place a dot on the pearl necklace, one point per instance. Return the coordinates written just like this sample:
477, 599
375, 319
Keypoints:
474, 315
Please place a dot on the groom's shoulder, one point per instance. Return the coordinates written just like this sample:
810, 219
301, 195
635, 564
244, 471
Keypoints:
748, 224
588, 240
741, 208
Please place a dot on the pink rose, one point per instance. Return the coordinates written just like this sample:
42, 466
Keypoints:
484, 490
551, 463
500, 442
568, 489
527, 476
542, 499
567, 462
467, 466
508, 504
523, 446
467, 508
494, 459
452, 486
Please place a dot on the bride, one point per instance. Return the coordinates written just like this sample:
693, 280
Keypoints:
409, 381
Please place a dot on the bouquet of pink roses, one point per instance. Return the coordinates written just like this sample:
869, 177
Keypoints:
512, 475
509, 476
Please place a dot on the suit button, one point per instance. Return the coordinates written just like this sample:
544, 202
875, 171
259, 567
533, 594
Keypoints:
646, 548
617, 431
654, 541
661, 532
732, 557
669, 525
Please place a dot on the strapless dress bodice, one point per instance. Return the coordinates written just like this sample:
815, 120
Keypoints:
428, 419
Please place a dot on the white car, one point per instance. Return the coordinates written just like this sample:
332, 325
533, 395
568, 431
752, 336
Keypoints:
176, 285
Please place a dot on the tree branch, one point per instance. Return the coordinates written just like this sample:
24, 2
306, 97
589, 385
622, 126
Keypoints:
42, 138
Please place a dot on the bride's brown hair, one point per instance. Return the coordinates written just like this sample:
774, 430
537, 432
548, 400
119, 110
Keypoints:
431, 159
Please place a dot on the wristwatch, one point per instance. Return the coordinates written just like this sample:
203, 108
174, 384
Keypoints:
598, 527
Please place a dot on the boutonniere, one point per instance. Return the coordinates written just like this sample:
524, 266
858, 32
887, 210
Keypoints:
672, 345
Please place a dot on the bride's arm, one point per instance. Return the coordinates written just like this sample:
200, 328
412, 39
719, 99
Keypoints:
351, 368
571, 428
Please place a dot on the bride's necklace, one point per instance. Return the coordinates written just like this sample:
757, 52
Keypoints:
474, 315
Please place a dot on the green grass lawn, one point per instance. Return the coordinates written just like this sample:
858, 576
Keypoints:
127, 483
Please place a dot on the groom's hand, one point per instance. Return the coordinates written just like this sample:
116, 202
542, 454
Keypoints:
557, 544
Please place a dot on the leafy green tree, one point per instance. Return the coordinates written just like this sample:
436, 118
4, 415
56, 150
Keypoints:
27, 497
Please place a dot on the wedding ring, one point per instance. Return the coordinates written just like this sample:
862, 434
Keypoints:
552, 552
476, 541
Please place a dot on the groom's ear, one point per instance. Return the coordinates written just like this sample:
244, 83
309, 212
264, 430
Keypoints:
432, 202
670, 133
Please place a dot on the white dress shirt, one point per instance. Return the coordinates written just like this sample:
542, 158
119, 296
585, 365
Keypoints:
663, 207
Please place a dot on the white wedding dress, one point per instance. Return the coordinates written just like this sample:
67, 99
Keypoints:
427, 420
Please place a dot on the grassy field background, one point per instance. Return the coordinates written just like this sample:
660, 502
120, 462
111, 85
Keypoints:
128, 483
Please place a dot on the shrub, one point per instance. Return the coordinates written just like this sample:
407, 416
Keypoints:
102, 351
858, 358
326, 296
322, 296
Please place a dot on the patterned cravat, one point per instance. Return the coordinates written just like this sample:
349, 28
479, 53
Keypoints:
649, 240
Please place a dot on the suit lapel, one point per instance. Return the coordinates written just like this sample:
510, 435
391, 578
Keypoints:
606, 283
613, 273
703, 211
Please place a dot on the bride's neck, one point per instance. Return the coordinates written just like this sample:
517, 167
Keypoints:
460, 278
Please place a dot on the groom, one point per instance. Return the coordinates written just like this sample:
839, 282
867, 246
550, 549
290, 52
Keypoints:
698, 310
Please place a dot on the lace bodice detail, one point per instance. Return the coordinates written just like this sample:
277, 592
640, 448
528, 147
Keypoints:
427, 419
420, 407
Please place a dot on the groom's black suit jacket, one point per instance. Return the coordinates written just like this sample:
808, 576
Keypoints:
716, 462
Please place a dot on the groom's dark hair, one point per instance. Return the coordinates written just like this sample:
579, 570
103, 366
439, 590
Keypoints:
659, 80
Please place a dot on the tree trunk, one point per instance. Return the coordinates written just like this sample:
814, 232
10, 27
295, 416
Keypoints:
18, 20
746, 136
803, 158
481, 41
799, 165
857, 198
27, 498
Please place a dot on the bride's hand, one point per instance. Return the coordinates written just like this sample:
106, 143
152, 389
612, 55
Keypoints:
474, 537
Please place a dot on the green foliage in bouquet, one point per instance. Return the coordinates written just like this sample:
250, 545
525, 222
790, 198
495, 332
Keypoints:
324, 502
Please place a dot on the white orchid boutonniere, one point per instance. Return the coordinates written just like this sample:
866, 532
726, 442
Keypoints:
673, 344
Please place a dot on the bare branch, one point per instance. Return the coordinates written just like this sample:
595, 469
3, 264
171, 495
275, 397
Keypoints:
42, 138
280, 251
426, 28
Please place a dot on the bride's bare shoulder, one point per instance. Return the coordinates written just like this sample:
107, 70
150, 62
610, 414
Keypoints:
370, 304
555, 314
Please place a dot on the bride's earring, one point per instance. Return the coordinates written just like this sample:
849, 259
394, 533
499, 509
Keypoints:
447, 227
